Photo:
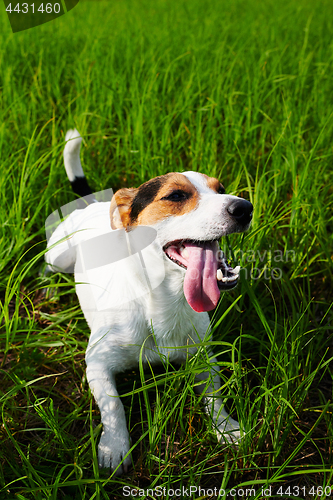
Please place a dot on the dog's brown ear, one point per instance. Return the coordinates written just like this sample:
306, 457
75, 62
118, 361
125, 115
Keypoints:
120, 209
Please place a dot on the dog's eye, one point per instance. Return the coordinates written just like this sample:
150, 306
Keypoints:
177, 195
221, 190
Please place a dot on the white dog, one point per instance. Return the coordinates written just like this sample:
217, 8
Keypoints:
147, 269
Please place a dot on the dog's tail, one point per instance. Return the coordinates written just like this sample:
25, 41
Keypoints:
73, 165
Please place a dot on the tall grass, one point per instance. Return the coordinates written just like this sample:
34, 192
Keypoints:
237, 90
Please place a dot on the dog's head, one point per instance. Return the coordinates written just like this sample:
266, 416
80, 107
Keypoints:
190, 212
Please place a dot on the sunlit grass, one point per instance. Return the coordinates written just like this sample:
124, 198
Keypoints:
237, 90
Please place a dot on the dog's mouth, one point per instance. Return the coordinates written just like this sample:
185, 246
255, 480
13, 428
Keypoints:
207, 271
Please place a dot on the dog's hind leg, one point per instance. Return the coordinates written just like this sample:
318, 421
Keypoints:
227, 428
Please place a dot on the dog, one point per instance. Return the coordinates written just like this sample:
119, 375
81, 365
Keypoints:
147, 267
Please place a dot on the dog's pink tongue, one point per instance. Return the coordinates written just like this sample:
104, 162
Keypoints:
200, 284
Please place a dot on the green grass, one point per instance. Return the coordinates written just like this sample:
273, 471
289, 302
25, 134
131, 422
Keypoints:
240, 90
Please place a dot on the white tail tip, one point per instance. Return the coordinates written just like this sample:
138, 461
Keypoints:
72, 155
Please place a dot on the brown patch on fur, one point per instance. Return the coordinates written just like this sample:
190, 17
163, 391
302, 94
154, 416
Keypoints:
146, 194
162, 207
213, 183
121, 207
153, 201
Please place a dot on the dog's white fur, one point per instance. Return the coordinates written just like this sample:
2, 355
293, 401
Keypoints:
124, 316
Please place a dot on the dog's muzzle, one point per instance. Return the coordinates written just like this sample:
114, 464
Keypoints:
207, 269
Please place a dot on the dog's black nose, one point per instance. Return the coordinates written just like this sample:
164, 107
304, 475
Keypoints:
241, 210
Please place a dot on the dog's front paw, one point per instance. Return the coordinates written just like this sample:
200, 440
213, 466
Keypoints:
227, 430
111, 452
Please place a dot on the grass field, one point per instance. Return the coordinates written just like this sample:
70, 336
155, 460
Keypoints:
240, 90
